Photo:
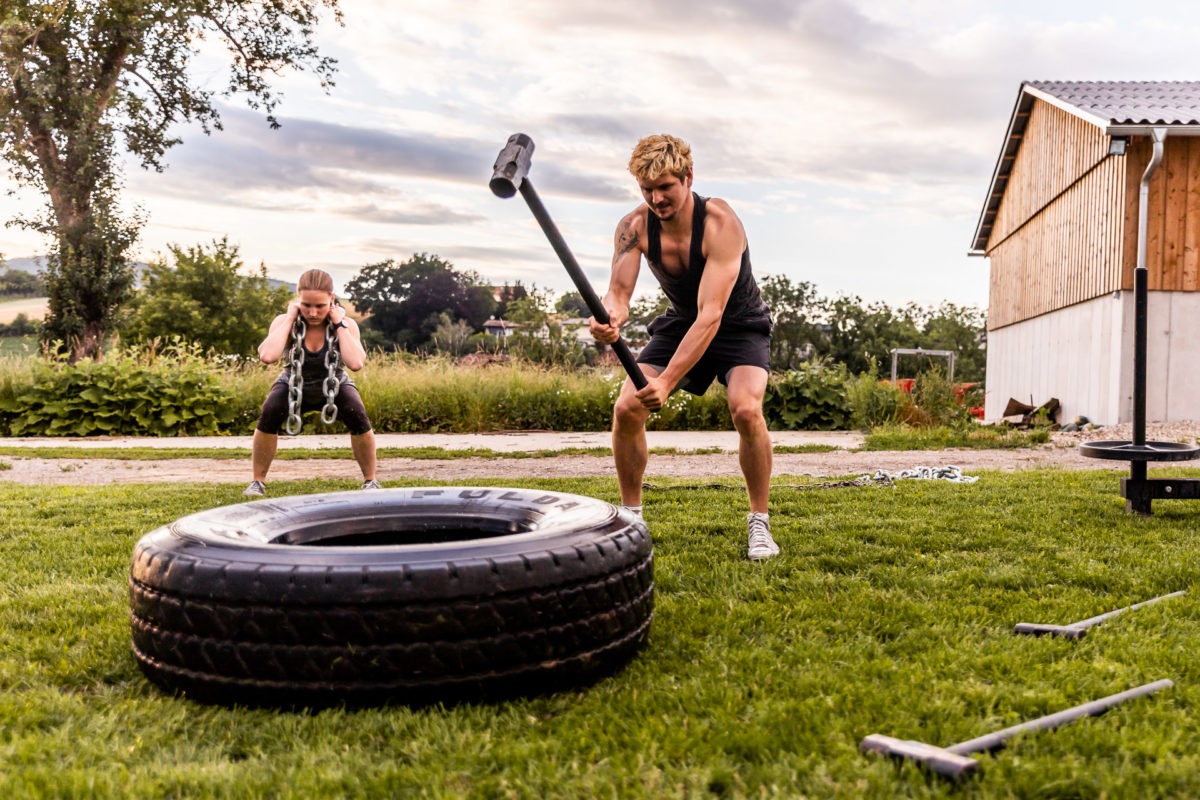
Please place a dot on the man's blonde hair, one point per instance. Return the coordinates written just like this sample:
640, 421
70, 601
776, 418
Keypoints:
659, 154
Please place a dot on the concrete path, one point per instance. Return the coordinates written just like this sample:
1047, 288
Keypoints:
507, 442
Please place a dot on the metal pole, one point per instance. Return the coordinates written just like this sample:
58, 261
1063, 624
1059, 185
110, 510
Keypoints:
1092, 709
581, 282
1141, 291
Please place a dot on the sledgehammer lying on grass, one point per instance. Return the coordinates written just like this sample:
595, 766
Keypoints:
1077, 630
953, 761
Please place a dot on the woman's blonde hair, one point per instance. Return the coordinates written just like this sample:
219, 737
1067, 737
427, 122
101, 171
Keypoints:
316, 280
659, 154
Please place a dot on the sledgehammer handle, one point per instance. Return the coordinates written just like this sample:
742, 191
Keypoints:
581, 282
1092, 709
1096, 620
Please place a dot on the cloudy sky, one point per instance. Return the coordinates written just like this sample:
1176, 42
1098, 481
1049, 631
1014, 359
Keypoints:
855, 139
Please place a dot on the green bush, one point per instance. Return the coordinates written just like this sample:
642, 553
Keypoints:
144, 392
875, 403
172, 394
937, 402
812, 397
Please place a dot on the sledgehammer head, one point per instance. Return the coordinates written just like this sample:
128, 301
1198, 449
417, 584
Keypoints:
512, 165
931, 757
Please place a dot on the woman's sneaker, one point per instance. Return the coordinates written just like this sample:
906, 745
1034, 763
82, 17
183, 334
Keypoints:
760, 545
255, 489
371, 484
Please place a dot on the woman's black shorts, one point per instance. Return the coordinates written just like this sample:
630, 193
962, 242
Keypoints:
351, 410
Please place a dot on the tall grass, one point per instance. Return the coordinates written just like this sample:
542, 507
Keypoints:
438, 395
407, 394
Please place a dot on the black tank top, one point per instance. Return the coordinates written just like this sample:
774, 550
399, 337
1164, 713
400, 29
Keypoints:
744, 312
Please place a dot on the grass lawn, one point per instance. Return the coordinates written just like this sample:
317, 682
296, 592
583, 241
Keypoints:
890, 611
18, 345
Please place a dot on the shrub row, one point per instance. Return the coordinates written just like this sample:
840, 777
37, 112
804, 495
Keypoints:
178, 392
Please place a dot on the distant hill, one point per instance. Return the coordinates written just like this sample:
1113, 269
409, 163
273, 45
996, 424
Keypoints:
35, 264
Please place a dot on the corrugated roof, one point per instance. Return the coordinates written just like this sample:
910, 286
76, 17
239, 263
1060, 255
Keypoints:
1119, 108
1130, 102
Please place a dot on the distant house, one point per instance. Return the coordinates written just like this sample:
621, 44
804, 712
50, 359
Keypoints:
1060, 229
577, 327
499, 328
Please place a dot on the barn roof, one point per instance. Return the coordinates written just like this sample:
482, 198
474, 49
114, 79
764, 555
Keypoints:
1119, 108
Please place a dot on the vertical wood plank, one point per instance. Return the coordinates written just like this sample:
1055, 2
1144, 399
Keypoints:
1174, 210
1191, 213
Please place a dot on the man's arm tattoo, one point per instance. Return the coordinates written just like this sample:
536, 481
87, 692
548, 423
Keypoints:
627, 239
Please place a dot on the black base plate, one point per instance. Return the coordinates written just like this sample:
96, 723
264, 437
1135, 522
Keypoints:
1150, 451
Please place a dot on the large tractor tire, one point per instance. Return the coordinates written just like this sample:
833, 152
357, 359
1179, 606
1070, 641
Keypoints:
416, 596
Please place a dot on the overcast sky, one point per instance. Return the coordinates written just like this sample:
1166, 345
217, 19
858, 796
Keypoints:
855, 139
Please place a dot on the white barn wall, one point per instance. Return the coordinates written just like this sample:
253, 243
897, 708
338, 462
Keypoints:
1083, 355
1178, 335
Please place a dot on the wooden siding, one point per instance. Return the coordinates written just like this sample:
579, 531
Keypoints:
1173, 215
1056, 149
1068, 252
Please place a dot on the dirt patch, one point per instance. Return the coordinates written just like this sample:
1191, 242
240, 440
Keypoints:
98, 471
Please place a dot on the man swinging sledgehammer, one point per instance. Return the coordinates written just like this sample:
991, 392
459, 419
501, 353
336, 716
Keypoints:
718, 325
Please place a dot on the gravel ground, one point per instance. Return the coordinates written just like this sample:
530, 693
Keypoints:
1061, 452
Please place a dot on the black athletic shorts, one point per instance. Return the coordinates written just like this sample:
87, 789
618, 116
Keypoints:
725, 351
351, 411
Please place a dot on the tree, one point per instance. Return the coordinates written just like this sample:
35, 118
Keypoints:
82, 78
507, 294
452, 337
205, 300
963, 330
573, 305
644, 310
15, 283
405, 300
529, 311
858, 333
795, 310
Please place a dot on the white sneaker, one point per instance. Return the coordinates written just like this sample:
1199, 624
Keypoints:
255, 489
635, 510
371, 484
760, 544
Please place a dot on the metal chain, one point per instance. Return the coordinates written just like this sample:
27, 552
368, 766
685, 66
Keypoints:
880, 478
295, 379
332, 385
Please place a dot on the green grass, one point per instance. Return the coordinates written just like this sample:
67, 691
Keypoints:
805, 448
903, 437
18, 345
889, 611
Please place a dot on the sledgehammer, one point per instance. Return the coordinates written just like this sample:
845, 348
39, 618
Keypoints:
1077, 630
510, 174
953, 761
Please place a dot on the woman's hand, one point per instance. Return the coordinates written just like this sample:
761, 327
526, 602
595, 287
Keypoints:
336, 313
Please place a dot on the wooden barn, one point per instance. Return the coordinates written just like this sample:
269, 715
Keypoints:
1060, 227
